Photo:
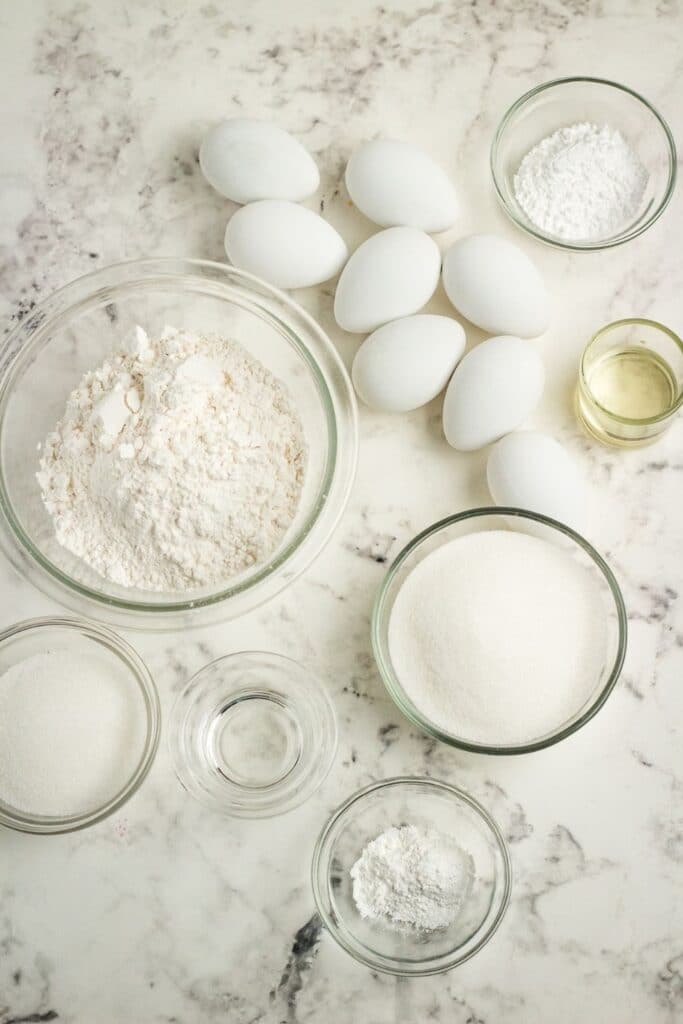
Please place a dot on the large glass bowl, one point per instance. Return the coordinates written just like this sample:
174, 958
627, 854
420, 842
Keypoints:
49, 636
483, 519
74, 330
567, 101
429, 804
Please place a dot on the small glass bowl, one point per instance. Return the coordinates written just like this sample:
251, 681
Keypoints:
252, 735
474, 521
74, 330
656, 379
37, 636
421, 802
566, 101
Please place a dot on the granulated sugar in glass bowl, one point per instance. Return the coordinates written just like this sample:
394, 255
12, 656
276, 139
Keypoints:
499, 631
75, 331
79, 724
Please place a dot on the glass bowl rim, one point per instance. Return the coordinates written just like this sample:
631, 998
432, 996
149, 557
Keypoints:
394, 688
167, 268
177, 724
630, 420
598, 245
49, 825
423, 782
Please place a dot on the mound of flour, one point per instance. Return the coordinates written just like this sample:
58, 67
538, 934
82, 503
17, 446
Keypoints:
178, 463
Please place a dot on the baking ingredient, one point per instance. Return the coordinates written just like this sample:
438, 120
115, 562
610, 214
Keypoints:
284, 243
407, 362
533, 471
391, 275
396, 183
498, 637
71, 732
246, 159
633, 382
178, 463
495, 387
496, 286
412, 878
581, 183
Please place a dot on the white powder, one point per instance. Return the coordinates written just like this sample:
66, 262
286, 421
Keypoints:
70, 733
498, 637
582, 182
412, 878
178, 463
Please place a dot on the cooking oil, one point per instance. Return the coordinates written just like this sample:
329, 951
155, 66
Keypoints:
633, 382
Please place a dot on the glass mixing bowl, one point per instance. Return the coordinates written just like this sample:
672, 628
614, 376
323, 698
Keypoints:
74, 330
567, 101
126, 668
482, 519
429, 804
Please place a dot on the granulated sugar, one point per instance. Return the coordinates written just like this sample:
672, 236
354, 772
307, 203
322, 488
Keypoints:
71, 733
498, 637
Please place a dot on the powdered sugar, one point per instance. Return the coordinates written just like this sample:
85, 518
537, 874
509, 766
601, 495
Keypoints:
178, 463
498, 637
410, 877
582, 182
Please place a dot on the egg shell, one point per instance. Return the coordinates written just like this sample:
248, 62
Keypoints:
492, 391
407, 362
496, 286
395, 183
531, 470
285, 244
391, 275
246, 159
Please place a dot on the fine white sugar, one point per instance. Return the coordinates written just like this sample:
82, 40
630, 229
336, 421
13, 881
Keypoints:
71, 732
412, 878
582, 182
498, 637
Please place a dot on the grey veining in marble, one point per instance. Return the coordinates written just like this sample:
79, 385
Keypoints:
164, 913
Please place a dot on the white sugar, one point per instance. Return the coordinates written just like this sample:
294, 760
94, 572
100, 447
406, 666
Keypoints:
498, 637
71, 732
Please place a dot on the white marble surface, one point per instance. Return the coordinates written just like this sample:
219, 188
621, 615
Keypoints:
164, 913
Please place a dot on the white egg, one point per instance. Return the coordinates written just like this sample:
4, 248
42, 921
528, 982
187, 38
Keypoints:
496, 286
406, 363
531, 470
391, 275
396, 183
284, 243
246, 159
493, 389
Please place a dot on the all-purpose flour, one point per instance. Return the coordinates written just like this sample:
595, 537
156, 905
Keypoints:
178, 463
580, 183
498, 637
411, 877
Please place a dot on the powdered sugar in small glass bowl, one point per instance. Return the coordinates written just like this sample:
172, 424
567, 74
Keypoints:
569, 101
430, 804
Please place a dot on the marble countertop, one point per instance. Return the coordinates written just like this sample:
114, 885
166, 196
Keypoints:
165, 913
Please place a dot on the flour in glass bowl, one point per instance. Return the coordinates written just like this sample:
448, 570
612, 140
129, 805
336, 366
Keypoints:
178, 463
